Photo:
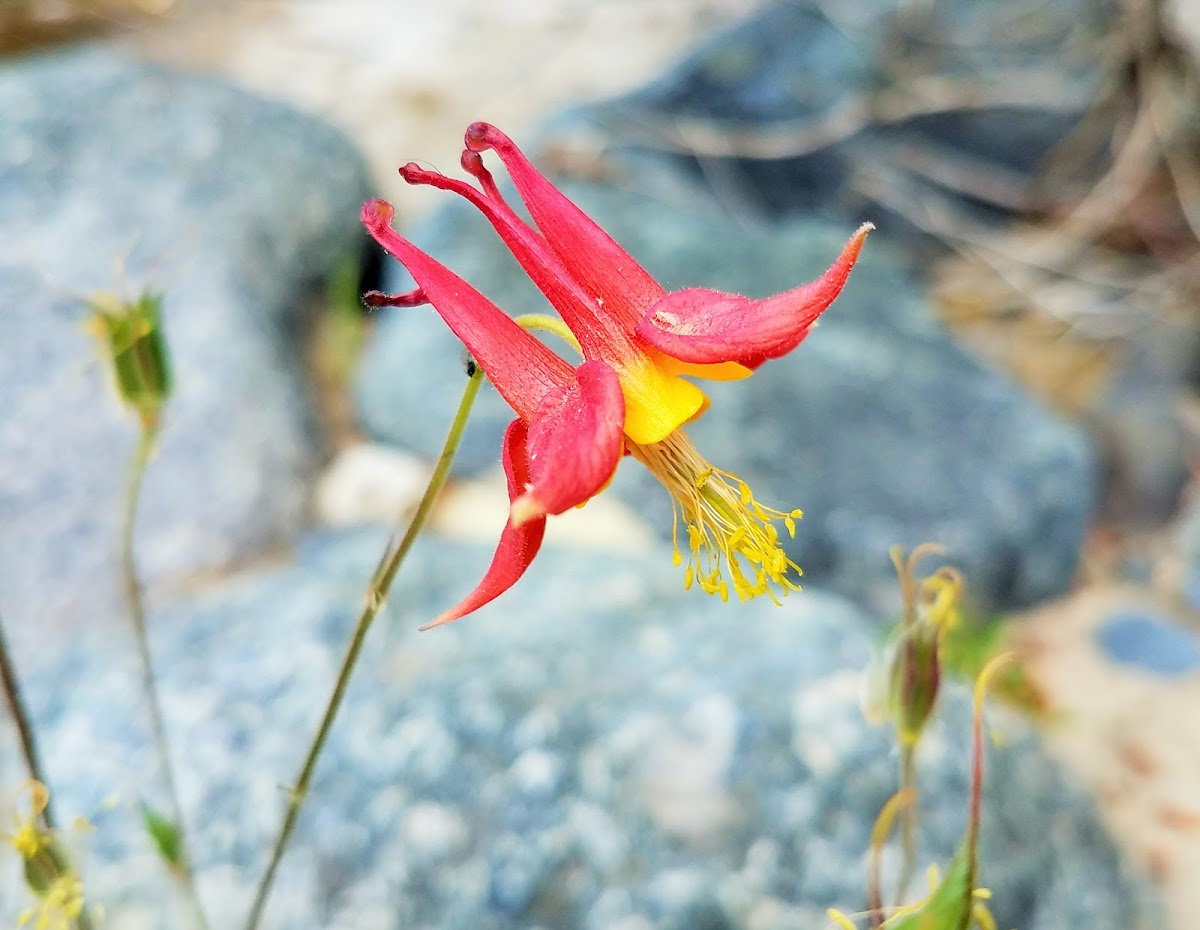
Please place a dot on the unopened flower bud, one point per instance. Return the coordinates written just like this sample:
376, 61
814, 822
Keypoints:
133, 345
915, 679
902, 684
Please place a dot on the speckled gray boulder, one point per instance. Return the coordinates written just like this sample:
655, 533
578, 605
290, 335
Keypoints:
879, 426
595, 750
235, 208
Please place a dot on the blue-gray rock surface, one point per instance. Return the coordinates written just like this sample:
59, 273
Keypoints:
806, 104
1151, 642
879, 426
595, 750
235, 208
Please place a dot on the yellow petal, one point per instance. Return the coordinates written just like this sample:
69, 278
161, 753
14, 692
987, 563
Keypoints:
656, 403
720, 371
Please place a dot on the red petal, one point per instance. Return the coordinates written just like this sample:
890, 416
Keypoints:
699, 325
600, 334
523, 370
518, 545
575, 443
606, 271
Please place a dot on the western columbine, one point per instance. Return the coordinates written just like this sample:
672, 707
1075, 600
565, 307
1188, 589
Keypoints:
628, 395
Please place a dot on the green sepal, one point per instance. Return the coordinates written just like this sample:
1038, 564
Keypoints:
915, 681
135, 350
50, 862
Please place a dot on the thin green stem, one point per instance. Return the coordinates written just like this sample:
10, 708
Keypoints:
908, 823
975, 811
29, 751
181, 868
879, 837
376, 595
22, 722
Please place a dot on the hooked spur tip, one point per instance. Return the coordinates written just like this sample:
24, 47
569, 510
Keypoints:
481, 136
471, 161
413, 173
377, 213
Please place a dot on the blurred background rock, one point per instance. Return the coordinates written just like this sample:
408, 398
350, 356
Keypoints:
1012, 371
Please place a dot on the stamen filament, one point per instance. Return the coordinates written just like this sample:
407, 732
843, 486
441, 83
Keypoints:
728, 531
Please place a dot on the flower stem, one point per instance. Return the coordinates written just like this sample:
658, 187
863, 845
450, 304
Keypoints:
879, 836
377, 591
975, 815
181, 867
21, 720
29, 750
908, 823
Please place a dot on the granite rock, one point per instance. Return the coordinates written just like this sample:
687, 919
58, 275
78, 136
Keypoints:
879, 426
235, 208
596, 749
804, 104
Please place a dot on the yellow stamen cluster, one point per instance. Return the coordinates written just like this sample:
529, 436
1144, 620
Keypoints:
27, 841
58, 908
56, 886
941, 594
30, 838
727, 529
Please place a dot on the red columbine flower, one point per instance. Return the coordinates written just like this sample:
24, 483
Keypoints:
628, 395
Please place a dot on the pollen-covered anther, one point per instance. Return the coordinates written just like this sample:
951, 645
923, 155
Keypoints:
732, 539
59, 907
27, 841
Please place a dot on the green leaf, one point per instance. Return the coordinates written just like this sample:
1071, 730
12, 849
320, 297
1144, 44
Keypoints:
342, 332
968, 646
167, 836
948, 907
